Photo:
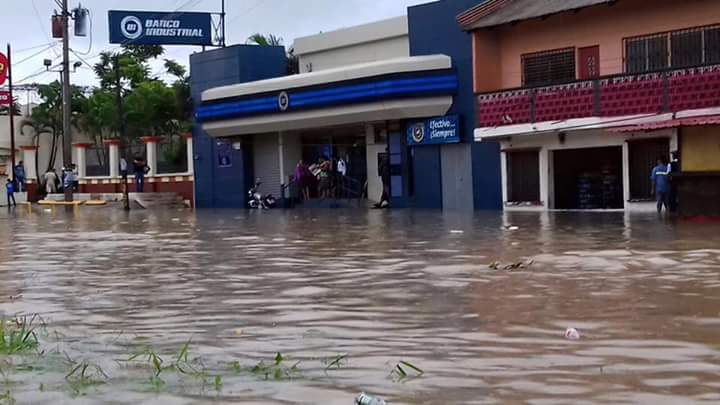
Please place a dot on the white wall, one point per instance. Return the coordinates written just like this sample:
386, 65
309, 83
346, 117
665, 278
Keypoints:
372, 150
381, 40
366, 52
547, 143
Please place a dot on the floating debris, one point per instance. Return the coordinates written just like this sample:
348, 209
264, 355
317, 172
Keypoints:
512, 266
572, 334
365, 399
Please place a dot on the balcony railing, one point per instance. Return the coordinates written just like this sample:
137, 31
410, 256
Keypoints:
611, 96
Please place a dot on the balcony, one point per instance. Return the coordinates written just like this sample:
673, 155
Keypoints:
610, 96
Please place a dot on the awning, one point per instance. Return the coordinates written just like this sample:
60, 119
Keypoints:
673, 123
632, 123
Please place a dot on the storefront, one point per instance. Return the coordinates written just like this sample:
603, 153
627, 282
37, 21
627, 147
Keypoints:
574, 165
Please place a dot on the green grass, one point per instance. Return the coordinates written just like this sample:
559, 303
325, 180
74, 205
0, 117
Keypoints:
335, 362
84, 375
404, 370
18, 337
277, 370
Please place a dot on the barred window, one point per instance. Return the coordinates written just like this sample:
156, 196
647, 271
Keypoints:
676, 49
549, 67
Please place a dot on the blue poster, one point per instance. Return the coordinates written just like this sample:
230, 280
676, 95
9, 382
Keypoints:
224, 154
434, 131
159, 28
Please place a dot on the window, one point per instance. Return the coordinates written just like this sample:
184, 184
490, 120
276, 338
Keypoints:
712, 45
677, 49
646, 54
550, 67
686, 48
523, 172
643, 157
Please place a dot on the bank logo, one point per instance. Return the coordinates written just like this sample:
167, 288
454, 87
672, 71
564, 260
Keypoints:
283, 101
131, 27
418, 133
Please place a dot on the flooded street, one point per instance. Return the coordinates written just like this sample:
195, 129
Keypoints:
346, 295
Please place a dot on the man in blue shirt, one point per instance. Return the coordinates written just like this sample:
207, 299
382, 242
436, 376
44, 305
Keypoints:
10, 188
661, 183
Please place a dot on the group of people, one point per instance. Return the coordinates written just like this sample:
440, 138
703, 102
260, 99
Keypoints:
16, 183
329, 176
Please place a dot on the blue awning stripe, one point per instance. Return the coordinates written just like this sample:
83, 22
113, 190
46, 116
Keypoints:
349, 94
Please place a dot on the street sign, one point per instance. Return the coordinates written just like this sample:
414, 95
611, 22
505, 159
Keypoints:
160, 28
5, 98
4, 67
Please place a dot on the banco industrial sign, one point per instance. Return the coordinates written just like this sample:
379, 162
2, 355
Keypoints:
159, 28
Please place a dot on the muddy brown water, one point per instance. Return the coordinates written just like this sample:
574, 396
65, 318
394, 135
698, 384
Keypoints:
378, 286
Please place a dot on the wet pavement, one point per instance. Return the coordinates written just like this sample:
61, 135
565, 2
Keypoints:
378, 286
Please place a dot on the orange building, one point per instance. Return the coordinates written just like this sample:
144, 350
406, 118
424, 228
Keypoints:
585, 95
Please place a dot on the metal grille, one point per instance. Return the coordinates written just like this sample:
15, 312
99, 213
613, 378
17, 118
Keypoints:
523, 169
676, 49
172, 156
97, 161
643, 157
549, 67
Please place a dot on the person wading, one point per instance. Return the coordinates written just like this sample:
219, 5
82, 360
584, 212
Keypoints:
10, 188
384, 170
661, 184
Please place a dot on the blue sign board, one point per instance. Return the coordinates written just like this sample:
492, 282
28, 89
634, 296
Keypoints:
158, 28
434, 131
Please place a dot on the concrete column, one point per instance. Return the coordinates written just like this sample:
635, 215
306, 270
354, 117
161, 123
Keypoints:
28, 158
190, 153
151, 143
544, 170
113, 146
626, 173
81, 158
281, 158
504, 176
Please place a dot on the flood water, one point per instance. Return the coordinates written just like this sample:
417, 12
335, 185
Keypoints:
377, 286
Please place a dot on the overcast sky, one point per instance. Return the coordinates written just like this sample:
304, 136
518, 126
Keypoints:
26, 25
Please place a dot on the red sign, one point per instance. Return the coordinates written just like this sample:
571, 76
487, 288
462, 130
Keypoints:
4, 67
4, 98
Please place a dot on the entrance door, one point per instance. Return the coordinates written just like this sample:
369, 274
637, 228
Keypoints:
643, 157
589, 62
588, 178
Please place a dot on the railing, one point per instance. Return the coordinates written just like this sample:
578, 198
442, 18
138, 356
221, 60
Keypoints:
610, 96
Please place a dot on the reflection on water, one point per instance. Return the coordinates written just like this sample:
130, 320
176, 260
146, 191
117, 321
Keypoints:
379, 286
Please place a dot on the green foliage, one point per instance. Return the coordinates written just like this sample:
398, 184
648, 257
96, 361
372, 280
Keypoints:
264, 40
335, 362
150, 107
84, 375
17, 336
277, 370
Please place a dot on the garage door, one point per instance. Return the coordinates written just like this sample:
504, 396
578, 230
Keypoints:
266, 163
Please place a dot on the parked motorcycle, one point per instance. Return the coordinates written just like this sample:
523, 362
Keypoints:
257, 201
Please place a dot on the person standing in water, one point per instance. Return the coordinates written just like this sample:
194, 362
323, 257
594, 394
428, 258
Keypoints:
661, 184
10, 188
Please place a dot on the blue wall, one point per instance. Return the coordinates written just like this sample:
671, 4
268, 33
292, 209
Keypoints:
225, 187
434, 30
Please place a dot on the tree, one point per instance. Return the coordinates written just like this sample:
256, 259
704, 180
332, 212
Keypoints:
293, 64
46, 119
150, 109
264, 40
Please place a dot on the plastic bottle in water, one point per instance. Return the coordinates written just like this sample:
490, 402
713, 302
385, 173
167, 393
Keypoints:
365, 399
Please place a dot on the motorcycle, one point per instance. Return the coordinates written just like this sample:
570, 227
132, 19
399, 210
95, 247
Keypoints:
259, 202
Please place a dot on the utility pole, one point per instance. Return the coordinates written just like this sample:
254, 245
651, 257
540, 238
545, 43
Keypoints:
222, 21
11, 115
67, 104
121, 128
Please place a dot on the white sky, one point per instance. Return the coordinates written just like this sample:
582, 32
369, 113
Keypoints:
26, 25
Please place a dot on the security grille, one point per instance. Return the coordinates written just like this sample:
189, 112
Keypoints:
675, 49
548, 67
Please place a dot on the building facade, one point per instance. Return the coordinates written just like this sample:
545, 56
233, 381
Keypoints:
585, 95
380, 92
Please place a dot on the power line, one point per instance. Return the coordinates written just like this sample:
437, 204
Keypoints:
42, 25
35, 54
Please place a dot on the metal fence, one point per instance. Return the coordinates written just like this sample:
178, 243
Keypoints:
97, 161
172, 156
